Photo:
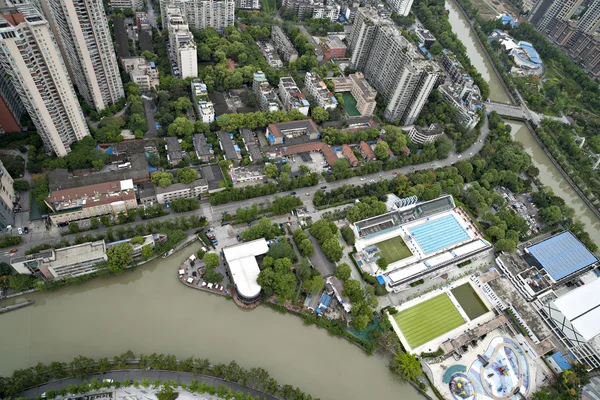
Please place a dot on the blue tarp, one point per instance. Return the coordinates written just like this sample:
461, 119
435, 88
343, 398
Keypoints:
236, 147
562, 362
381, 280
109, 151
157, 126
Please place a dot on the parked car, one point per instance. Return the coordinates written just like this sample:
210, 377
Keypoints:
293, 193
20, 231
323, 187
362, 179
13, 251
25, 229
395, 173
308, 194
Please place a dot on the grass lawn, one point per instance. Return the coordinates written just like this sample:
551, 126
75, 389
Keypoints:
350, 104
393, 249
428, 320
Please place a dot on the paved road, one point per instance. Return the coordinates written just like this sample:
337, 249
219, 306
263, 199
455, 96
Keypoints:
149, 112
139, 375
522, 112
151, 13
214, 213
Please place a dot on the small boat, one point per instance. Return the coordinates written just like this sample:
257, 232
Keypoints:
168, 253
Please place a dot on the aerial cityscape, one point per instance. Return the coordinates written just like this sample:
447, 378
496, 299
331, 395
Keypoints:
300, 199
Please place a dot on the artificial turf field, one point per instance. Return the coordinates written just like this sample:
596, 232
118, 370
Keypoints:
393, 249
428, 320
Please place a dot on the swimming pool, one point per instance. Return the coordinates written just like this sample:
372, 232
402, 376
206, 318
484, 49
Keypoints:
439, 233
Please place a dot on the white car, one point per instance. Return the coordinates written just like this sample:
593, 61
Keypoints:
459, 156
470, 154
362, 179
20, 231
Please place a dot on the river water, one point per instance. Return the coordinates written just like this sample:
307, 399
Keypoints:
476, 53
148, 310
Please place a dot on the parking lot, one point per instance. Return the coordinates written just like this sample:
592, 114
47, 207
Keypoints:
521, 204
314, 161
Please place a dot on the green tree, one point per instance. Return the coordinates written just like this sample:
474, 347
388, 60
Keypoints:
436, 48
271, 171
348, 235
187, 175
381, 150
506, 245
314, 285
137, 240
147, 252
360, 322
162, 179
343, 271
180, 127
19, 282
407, 365
443, 146
319, 114
353, 290
211, 260
332, 249
119, 257
5, 269
20, 185
382, 263
552, 215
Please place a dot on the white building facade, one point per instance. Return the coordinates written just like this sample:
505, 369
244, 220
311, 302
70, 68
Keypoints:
29, 53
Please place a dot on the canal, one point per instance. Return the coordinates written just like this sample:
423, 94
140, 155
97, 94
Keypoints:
476, 53
549, 174
148, 310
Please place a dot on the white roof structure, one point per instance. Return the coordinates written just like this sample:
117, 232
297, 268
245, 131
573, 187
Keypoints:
243, 266
582, 308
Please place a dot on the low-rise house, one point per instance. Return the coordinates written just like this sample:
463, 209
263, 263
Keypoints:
283, 131
319, 91
349, 155
229, 148
424, 134
79, 203
246, 174
174, 153
251, 144
146, 193
204, 151
81, 259
194, 189
333, 48
291, 96
142, 72
366, 151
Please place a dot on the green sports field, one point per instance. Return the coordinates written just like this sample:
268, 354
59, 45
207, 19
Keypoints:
428, 320
393, 249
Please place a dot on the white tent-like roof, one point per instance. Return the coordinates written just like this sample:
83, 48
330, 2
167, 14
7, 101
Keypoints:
582, 308
243, 266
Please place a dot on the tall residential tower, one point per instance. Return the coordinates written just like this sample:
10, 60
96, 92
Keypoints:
81, 30
393, 66
30, 56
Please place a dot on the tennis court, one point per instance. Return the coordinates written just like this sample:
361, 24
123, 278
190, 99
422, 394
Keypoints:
350, 104
428, 320
393, 249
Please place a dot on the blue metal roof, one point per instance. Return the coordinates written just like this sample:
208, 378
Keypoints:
561, 255
381, 280
562, 362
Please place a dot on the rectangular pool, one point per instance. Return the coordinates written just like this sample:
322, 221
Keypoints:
439, 233
470, 302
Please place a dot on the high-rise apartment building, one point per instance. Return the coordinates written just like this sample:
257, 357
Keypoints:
29, 55
590, 20
12, 108
402, 7
7, 198
545, 12
135, 5
202, 14
362, 35
182, 43
81, 30
393, 66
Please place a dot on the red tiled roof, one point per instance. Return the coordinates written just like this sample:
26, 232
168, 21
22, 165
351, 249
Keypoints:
324, 148
349, 155
367, 151
389, 151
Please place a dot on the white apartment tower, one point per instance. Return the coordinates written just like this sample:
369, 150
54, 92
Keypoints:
560, 9
81, 30
402, 7
248, 4
201, 14
362, 35
182, 43
30, 55
394, 67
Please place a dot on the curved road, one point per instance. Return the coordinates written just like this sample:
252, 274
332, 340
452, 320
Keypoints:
214, 213
138, 375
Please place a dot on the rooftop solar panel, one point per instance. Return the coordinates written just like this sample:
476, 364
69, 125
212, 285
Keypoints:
562, 255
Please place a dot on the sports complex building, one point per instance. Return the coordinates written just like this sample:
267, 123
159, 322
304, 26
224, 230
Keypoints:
537, 267
417, 240
243, 264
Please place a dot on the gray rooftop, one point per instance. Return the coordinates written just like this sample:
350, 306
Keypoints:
213, 175
146, 191
201, 145
61, 179
181, 186
172, 144
227, 144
